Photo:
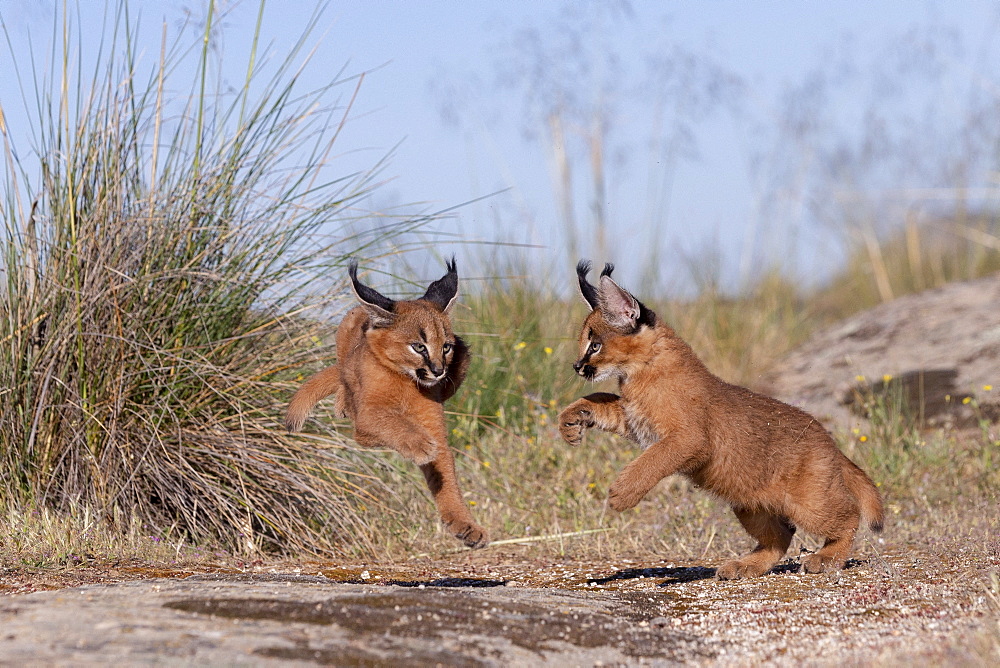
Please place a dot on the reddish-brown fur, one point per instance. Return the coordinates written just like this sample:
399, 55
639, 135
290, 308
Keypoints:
390, 393
775, 464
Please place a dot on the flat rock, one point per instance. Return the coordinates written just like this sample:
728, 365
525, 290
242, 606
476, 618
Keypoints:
894, 605
250, 620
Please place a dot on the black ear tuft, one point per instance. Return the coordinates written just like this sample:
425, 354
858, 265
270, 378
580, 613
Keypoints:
444, 290
588, 290
608, 268
368, 295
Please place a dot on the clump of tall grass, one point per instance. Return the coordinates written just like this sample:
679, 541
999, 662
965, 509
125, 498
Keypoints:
162, 263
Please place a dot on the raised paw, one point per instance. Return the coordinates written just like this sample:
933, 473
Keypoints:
472, 535
625, 492
573, 421
572, 432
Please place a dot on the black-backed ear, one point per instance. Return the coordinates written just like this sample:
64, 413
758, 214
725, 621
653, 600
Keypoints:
444, 291
381, 309
588, 291
621, 310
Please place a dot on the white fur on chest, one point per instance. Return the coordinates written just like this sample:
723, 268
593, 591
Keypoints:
639, 426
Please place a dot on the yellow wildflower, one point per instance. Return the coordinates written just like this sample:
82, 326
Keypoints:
886, 377
987, 388
548, 351
863, 439
521, 345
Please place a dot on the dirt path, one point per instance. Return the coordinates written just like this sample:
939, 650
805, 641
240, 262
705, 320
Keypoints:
908, 606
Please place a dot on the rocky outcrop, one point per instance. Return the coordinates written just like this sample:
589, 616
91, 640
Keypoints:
936, 353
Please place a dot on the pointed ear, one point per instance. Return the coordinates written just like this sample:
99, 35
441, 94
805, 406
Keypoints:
588, 291
381, 309
444, 291
620, 309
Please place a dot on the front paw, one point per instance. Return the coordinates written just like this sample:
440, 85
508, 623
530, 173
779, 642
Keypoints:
625, 492
573, 421
473, 535
572, 432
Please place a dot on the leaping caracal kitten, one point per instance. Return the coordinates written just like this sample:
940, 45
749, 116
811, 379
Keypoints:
398, 361
778, 468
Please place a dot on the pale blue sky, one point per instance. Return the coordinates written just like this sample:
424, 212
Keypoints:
743, 186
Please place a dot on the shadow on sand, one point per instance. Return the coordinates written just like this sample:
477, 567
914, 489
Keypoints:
448, 582
678, 575
671, 575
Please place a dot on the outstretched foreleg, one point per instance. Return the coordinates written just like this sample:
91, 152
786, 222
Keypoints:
375, 428
443, 484
676, 453
601, 410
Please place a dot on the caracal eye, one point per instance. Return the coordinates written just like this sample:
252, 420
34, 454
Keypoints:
446, 348
419, 348
594, 347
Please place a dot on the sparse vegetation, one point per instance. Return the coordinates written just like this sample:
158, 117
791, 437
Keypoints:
153, 323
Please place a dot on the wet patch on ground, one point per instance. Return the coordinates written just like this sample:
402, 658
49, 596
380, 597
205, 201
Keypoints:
355, 657
436, 613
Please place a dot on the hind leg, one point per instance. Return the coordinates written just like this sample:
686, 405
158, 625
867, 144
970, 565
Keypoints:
773, 534
443, 483
832, 514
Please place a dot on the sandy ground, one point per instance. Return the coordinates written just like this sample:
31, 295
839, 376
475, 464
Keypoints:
927, 605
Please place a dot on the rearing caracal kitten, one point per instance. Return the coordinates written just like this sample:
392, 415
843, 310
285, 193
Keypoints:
776, 465
398, 362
